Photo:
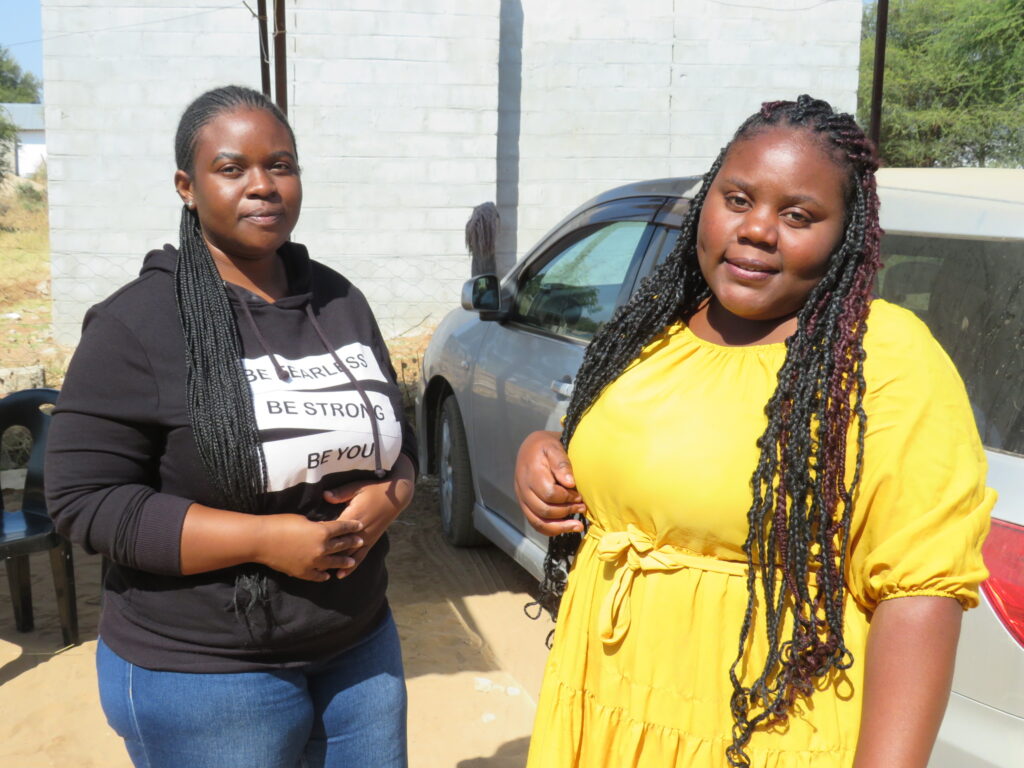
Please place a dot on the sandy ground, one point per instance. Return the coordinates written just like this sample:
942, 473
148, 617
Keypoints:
473, 660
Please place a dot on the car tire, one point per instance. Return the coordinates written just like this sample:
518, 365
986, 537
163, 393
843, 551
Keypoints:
455, 478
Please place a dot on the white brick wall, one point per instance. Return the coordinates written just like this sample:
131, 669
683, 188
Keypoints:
405, 120
393, 104
615, 92
118, 74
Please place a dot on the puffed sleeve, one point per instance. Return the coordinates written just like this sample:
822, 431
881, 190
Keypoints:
102, 452
922, 510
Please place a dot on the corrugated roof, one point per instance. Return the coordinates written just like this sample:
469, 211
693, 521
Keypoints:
27, 117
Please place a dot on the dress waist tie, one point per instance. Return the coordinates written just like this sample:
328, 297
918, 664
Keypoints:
633, 551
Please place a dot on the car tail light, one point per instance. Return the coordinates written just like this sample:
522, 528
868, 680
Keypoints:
1004, 556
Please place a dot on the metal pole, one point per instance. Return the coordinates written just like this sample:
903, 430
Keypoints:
280, 69
261, 16
881, 29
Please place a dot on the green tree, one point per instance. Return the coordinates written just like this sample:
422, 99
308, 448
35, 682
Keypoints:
954, 82
16, 86
8, 143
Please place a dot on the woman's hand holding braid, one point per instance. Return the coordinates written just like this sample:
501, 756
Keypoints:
545, 486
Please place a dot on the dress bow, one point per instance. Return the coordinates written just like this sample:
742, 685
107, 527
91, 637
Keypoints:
633, 552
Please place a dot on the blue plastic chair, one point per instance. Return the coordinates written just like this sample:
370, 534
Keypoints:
30, 529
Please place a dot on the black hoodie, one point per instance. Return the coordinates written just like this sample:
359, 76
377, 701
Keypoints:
122, 465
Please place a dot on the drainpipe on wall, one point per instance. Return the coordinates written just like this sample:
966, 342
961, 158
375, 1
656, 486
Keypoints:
280, 69
881, 29
261, 16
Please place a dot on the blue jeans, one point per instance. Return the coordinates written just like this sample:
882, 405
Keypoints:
347, 711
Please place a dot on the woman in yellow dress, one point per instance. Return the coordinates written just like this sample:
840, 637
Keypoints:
783, 483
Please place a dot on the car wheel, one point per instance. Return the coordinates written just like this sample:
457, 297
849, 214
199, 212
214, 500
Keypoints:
455, 479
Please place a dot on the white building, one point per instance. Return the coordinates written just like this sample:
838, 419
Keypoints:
409, 113
30, 152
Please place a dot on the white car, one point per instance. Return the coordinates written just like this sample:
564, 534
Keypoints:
954, 251
503, 365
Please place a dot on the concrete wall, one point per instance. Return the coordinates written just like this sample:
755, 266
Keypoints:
409, 113
611, 92
395, 107
393, 103
118, 73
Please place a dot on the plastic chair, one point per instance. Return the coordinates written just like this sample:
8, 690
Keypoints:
30, 528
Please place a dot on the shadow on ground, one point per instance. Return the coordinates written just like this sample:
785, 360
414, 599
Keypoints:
511, 754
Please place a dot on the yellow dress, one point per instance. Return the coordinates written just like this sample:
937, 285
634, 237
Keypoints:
650, 622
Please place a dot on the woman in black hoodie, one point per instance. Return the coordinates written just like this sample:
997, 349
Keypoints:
231, 437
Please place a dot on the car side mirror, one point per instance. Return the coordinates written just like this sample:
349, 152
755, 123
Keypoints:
483, 294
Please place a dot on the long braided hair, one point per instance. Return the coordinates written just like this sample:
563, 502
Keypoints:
799, 520
219, 399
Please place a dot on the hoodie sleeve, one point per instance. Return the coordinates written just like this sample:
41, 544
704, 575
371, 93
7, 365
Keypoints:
103, 453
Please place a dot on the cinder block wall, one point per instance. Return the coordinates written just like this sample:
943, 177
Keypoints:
613, 92
118, 74
409, 113
394, 108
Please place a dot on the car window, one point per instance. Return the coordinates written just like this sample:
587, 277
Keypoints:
666, 233
574, 293
971, 295
664, 240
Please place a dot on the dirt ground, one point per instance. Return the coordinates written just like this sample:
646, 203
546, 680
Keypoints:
473, 659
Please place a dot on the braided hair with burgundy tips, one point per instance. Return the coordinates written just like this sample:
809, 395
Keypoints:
799, 520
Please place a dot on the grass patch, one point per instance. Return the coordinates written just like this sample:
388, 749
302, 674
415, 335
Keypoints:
25, 305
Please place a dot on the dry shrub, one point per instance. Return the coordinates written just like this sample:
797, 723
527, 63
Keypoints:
407, 358
25, 302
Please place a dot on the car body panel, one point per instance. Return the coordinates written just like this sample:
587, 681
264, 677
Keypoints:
512, 395
983, 639
977, 736
976, 203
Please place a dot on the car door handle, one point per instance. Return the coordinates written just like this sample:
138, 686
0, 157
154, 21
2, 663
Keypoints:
562, 387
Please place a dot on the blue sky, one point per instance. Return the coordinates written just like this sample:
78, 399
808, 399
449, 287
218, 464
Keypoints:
20, 32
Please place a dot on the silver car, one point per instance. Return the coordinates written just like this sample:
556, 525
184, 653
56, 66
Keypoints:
503, 366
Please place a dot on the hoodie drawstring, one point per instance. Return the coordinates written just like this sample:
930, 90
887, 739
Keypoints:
282, 374
379, 470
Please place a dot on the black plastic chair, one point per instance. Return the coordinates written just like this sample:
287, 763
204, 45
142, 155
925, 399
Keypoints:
30, 528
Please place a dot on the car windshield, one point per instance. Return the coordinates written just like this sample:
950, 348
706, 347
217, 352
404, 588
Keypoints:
971, 295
